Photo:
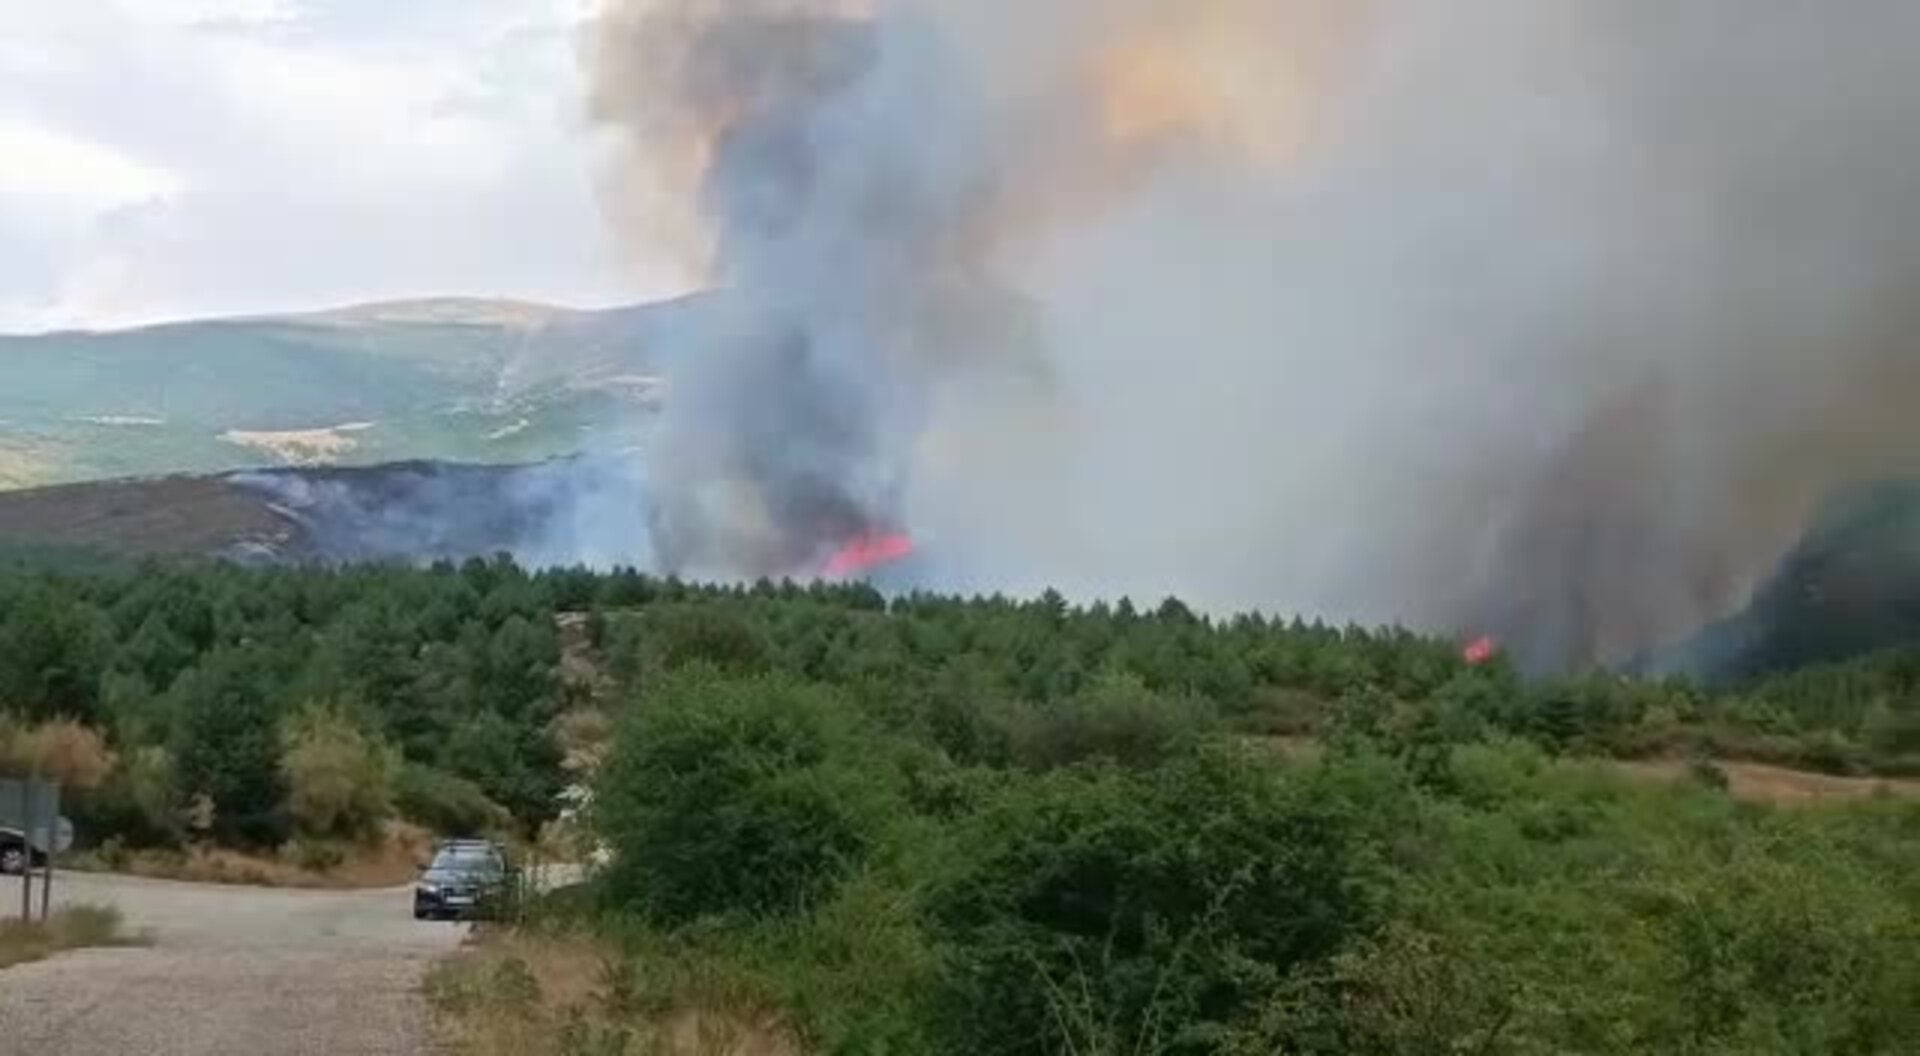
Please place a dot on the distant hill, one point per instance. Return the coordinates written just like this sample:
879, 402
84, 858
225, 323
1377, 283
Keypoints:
456, 379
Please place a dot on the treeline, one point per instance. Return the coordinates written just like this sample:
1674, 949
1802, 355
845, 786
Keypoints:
985, 660
258, 697
247, 707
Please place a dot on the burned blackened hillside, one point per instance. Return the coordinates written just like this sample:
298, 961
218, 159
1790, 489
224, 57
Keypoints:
1850, 587
564, 511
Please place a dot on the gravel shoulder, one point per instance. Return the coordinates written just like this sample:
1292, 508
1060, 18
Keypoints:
232, 971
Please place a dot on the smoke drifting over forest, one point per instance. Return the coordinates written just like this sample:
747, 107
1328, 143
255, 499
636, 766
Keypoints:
1554, 319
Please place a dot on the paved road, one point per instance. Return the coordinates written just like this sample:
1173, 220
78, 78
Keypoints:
233, 971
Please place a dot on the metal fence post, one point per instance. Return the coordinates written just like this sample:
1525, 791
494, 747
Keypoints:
52, 845
26, 848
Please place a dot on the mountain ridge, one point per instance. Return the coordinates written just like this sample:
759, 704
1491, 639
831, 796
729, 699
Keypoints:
443, 378
452, 309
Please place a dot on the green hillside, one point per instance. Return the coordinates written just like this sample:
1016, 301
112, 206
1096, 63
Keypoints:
930, 826
453, 379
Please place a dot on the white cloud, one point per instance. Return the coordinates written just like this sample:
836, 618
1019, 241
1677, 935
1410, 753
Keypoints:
228, 13
161, 158
44, 164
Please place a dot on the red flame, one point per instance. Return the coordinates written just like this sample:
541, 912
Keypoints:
866, 553
1481, 650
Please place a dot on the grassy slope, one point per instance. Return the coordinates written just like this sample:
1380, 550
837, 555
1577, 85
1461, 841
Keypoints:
468, 381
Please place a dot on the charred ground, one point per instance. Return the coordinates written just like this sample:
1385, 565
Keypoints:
406, 511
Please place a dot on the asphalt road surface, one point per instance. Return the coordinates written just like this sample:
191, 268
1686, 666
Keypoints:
233, 971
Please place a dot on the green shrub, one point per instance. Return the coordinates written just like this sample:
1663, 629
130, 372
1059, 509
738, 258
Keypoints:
716, 635
1103, 910
1830, 752
339, 780
1117, 719
1709, 774
1563, 907
740, 796
851, 976
137, 806
513, 986
449, 805
514, 762
227, 748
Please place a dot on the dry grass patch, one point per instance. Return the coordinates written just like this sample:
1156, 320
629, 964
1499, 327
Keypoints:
22, 465
71, 928
534, 994
62, 750
391, 862
1776, 785
584, 735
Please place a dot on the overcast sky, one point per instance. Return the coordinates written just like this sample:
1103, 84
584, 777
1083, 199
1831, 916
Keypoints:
170, 158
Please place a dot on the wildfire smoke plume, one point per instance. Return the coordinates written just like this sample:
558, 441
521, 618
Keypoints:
1552, 319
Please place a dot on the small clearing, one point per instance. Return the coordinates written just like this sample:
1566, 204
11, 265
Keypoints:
302, 447
20, 466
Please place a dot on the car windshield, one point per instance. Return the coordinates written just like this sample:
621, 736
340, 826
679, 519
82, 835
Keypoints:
466, 860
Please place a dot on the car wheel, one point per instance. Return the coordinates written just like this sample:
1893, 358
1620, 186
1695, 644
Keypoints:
13, 859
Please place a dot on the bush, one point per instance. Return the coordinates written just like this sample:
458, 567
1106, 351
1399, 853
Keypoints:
227, 749
137, 805
688, 635
739, 796
339, 780
1117, 719
449, 805
1709, 774
70, 928
314, 855
515, 763
62, 750
1564, 908
1100, 910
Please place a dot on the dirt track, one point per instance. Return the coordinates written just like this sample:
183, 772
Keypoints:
233, 971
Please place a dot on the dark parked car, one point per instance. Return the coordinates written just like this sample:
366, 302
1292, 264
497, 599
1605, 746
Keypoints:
14, 854
465, 879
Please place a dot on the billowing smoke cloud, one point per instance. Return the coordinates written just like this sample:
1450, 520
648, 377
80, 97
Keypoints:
862, 178
1554, 318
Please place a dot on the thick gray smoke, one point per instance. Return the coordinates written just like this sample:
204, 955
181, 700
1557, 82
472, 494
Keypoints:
1549, 318
834, 204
